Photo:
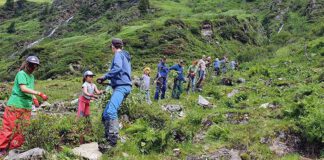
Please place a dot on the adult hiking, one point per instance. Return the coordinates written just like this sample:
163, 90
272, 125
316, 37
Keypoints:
18, 111
121, 83
161, 79
217, 66
201, 72
191, 76
224, 65
177, 86
89, 92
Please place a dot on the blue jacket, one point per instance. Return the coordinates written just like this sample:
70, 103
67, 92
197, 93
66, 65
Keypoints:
217, 64
162, 70
120, 71
179, 69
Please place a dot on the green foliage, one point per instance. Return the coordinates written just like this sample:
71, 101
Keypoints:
313, 124
144, 6
11, 28
217, 133
9, 5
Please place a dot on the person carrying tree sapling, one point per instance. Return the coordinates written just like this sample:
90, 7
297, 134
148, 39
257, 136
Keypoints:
177, 86
89, 89
18, 111
146, 84
121, 83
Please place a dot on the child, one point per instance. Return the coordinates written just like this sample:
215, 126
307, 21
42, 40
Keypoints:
191, 76
146, 84
88, 90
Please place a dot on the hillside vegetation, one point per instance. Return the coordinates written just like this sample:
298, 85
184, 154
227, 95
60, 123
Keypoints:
279, 44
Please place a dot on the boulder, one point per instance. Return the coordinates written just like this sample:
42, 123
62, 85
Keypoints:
75, 101
241, 80
230, 95
227, 82
33, 154
172, 108
89, 151
222, 153
2, 105
204, 102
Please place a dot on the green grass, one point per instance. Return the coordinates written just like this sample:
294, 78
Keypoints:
38, 1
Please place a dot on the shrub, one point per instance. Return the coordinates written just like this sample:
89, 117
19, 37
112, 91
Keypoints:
11, 28
313, 125
217, 133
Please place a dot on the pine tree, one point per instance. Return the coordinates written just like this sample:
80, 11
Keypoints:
11, 28
9, 5
144, 6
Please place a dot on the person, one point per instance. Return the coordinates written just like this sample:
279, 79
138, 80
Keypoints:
177, 86
146, 84
89, 89
161, 79
217, 66
120, 77
223, 65
233, 65
201, 72
191, 76
18, 111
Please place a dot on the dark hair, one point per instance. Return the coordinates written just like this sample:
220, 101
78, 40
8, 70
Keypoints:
23, 66
84, 79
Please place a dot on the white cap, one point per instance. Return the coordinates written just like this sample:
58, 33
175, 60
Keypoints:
88, 73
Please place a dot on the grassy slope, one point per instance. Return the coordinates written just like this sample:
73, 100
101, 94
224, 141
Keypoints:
288, 63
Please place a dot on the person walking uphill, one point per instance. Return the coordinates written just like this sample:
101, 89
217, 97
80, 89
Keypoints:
120, 77
17, 113
201, 72
177, 87
161, 79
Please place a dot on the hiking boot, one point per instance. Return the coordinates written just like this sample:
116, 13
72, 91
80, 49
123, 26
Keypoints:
111, 131
104, 147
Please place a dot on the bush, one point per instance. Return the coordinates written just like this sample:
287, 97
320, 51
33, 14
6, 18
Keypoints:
313, 125
217, 133
11, 28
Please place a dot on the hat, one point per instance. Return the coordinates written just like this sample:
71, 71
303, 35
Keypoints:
32, 59
147, 69
181, 61
88, 73
217, 59
117, 42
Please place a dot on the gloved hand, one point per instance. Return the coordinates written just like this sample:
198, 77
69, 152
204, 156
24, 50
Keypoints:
43, 96
100, 80
36, 103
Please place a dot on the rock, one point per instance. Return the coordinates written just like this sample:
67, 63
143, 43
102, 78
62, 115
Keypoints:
264, 140
45, 104
207, 30
176, 152
235, 91
89, 151
204, 103
226, 82
2, 105
237, 118
125, 155
222, 153
199, 137
172, 108
264, 105
279, 148
207, 123
75, 102
241, 80
33, 154
269, 105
